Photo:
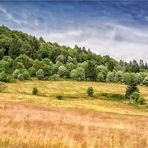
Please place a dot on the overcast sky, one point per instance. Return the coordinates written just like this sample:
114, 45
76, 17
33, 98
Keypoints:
113, 27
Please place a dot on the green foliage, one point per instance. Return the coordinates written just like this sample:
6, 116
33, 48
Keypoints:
118, 76
112, 96
26, 74
18, 65
129, 79
3, 77
32, 71
25, 60
34, 91
130, 90
2, 51
101, 77
20, 77
62, 71
40, 74
55, 77
110, 77
16, 73
78, 74
21, 51
90, 91
135, 96
145, 81
141, 101
90, 71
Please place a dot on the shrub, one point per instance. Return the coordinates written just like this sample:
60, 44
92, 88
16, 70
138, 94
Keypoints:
90, 91
21, 77
2, 86
141, 101
34, 91
135, 96
60, 97
40, 74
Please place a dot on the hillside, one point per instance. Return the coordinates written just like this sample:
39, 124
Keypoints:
23, 56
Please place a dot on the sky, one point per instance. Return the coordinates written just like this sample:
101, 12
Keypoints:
108, 27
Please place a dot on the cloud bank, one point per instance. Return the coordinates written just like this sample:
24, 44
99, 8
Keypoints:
109, 28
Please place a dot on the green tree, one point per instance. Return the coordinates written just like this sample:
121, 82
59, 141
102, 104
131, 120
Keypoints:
62, 71
40, 74
90, 71
90, 91
34, 91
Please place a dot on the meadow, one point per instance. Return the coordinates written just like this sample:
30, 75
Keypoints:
43, 121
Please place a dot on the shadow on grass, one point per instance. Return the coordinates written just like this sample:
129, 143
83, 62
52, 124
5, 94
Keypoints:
111, 96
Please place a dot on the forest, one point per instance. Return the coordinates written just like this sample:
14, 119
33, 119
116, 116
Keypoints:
23, 56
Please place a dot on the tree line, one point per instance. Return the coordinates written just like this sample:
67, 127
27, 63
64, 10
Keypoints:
23, 56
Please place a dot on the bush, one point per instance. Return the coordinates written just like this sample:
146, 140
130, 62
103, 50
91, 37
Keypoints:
34, 91
40, 74
135, 96
2, 86
21, 77
141, 101
60, 97
90, 91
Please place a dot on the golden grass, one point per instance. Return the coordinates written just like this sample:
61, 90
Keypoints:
32, 126
42, 121
75, 95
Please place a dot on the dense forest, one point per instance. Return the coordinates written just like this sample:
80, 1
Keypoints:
23, 56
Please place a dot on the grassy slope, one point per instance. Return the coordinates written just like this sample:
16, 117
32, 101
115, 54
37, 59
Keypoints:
78, 121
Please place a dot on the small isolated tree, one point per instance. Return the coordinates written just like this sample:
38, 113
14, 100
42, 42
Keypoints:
90, 91
34, 91
40, 74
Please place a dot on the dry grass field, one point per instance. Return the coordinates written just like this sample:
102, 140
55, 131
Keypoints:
78, 121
